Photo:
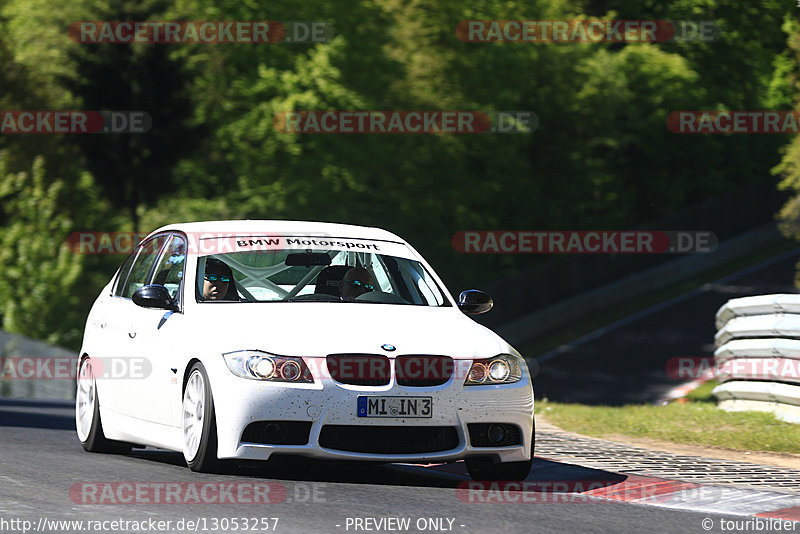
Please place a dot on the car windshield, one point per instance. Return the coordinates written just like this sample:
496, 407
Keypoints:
316, 275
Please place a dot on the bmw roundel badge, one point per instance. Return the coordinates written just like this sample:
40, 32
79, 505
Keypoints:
389, 348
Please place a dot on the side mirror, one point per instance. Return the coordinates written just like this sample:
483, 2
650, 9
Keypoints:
474, 302
154, 296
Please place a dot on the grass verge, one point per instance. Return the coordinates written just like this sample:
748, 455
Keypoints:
702, 393
698, 423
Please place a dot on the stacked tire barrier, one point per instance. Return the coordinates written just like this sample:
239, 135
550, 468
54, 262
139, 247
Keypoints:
757, 359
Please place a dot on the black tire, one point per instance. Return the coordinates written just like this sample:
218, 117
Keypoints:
96, 440
484, 469
204, 460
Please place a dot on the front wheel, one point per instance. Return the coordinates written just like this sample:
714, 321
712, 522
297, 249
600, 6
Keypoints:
87, 415
199, 423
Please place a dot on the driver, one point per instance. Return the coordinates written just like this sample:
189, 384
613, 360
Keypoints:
217, 280
356, 282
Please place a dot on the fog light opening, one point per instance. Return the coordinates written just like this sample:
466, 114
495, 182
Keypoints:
496, 433
274, 433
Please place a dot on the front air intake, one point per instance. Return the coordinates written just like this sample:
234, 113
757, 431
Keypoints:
389, 439
277, 432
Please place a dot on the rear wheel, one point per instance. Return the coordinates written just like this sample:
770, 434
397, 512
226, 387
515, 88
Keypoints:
87, 415
199, 423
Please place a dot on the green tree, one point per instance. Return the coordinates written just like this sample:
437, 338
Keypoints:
40, 273
787, 79
602, 156
144, 77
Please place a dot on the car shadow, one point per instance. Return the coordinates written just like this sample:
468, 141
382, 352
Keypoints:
546, 476
294, 468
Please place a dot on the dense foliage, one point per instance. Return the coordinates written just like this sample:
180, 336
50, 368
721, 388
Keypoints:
602, 156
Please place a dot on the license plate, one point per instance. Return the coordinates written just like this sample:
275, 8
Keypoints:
395, 407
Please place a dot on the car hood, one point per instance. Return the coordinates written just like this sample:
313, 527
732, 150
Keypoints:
322, 328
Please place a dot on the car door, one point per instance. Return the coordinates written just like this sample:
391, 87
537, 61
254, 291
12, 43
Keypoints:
104, 334
154, 339
121, 372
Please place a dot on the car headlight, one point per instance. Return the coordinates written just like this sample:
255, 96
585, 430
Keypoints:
257, 365
502, 369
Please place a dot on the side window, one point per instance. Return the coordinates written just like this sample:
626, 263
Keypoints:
146, 256
119, 283
169, 271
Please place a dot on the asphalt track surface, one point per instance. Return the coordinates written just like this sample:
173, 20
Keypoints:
41, 460
626, 362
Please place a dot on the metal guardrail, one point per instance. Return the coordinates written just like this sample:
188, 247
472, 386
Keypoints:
16, 346
757, 359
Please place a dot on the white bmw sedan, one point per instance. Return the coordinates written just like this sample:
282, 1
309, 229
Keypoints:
237, 340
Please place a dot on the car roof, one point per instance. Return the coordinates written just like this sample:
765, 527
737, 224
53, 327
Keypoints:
305, 228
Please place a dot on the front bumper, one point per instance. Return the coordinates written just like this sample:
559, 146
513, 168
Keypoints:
239, 402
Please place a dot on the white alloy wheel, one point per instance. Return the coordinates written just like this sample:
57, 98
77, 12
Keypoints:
85, 400
87, 414
194, 401
199, 423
